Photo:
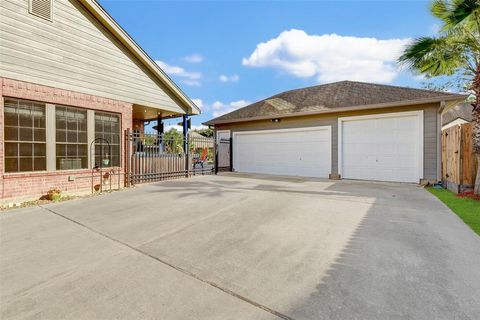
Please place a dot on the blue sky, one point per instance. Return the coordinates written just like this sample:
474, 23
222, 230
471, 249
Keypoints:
214, 50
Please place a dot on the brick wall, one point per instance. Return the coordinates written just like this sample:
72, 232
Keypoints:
1, 137
16, 185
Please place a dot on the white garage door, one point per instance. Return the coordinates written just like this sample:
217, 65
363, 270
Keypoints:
386, 147
296, 152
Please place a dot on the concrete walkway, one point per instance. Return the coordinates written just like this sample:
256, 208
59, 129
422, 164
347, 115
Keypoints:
241, 247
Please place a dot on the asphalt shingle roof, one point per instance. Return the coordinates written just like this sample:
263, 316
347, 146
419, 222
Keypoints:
330, 97
461, 111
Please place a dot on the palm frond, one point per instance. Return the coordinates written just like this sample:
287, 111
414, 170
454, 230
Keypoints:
463, 9
433, 56
440, 9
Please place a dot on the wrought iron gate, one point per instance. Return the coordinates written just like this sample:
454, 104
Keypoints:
153, 157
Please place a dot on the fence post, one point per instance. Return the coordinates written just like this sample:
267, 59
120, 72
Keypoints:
215, 154
231, 153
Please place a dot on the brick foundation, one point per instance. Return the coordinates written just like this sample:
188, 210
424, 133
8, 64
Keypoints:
35, 184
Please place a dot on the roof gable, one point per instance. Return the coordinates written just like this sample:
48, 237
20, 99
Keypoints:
111, 25
462, 111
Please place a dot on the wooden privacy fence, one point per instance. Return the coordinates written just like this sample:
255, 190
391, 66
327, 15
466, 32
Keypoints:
155, 157
458, 161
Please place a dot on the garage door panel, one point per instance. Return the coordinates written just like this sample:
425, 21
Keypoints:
385, 148
284, 152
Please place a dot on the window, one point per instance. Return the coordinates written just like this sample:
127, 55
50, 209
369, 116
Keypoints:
41, 8
25, 136
107, 126
71, 137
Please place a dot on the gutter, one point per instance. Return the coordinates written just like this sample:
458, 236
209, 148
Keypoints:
452, 101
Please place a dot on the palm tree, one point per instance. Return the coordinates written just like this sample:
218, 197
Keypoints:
455, 51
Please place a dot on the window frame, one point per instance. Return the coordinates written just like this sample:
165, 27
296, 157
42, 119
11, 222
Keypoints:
50, 133
112, 145
18, 142
65, 143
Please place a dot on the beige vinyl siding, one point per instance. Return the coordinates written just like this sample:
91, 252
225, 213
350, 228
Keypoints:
429, 127
74, 52
430, 136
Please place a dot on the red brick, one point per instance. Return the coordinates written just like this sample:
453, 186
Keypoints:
38, 183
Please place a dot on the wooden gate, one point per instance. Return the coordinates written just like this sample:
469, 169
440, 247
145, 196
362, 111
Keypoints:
458, 161
155, 157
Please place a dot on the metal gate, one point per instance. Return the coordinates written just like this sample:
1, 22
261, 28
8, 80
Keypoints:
153, 157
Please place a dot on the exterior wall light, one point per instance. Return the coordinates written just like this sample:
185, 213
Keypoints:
276, 120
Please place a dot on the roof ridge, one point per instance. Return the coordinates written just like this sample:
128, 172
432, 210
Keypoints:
401, 87
360, 82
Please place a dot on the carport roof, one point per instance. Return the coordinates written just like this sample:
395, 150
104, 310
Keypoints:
334, 97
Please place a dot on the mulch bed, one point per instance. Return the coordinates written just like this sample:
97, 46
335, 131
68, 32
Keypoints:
469, 195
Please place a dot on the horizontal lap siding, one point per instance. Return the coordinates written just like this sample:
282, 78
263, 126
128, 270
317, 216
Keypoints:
431, 137
430, 130
74, 52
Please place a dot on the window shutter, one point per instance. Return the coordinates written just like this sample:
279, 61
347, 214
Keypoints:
42, 8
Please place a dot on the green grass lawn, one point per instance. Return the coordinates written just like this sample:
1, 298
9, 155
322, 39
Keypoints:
467, 209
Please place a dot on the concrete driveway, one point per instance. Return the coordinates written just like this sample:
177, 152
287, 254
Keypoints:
241, 247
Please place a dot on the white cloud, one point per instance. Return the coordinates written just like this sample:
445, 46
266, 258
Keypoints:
232, 78
194, 58
329, 57
187, 77
220, 108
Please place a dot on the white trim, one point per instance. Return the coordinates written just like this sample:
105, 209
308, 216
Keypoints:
455, 122
418, 113
90, 137
51, 137
303, 129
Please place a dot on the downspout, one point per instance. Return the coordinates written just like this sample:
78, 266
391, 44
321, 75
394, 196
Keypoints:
439, 140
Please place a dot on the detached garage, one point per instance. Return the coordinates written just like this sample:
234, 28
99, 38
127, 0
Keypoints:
346, 129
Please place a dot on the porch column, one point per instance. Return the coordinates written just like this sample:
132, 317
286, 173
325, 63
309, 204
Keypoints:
159, 124
159, 133
185, 133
